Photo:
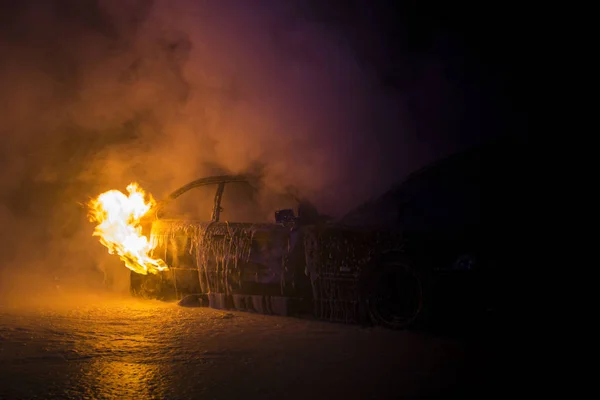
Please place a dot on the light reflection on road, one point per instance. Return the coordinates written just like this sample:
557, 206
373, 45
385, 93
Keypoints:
121, 379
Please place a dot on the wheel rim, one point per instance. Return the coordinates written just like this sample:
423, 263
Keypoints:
396, 297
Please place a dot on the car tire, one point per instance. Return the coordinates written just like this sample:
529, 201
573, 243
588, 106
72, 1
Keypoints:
396, 295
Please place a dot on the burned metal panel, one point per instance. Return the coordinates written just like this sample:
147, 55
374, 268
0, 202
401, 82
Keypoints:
230, 257
336, 261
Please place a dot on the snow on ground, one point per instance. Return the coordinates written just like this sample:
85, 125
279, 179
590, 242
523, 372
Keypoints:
122, 348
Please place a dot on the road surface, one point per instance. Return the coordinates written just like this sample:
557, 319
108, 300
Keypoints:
122, 348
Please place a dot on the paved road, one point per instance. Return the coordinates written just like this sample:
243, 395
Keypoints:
101, 348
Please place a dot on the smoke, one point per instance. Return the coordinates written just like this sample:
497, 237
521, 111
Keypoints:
96, 94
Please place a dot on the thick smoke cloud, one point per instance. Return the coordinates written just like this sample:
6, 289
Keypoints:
95, 94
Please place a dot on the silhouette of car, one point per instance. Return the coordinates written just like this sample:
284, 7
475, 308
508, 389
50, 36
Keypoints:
428, 249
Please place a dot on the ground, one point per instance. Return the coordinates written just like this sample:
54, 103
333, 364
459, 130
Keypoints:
122, 348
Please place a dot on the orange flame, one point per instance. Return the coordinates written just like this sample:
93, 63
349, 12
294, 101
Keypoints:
118, 217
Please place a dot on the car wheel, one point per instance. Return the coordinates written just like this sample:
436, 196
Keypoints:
395, 295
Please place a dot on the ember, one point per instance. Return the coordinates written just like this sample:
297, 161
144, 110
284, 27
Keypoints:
118, 217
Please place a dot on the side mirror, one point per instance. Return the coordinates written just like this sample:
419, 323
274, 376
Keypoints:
285, 216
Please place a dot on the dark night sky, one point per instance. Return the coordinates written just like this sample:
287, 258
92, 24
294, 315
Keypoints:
340, 98
483, 48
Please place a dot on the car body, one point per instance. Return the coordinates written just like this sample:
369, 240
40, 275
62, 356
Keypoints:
426, 248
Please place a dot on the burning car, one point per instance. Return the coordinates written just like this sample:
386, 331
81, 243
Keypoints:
300, 263
424, 248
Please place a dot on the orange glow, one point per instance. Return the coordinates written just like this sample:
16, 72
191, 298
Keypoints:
118, 217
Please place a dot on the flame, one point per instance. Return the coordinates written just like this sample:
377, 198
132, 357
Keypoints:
118, 217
